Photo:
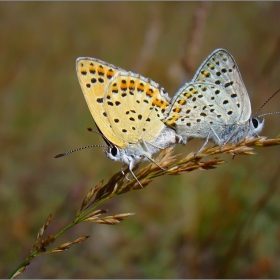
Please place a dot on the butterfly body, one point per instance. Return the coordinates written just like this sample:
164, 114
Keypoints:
142, 150
127, 108
215, 105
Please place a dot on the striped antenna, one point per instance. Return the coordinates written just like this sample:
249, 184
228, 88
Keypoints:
79, 149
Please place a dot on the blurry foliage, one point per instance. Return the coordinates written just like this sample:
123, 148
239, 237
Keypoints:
219, 223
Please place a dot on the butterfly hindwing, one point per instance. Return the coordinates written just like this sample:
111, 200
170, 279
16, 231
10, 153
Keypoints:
136, 105
221, 69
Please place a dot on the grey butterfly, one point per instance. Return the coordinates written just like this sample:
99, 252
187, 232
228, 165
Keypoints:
215, 105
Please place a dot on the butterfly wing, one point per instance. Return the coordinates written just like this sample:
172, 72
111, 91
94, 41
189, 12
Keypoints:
136, 105
199, 106
94, 75
221, 69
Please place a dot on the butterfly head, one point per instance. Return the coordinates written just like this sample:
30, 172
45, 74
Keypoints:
113, 152
256, 125
128, 155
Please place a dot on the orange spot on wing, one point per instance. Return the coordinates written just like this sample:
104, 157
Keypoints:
160, 103
110, 73
123, 86
172, 121
206, 74
100, 70
182, 102
140, 87
188, 95
177, 110
131, 85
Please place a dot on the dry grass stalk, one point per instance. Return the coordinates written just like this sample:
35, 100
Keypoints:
84, 214
41, 231
22, 269
67, 245
109, 220
118, 184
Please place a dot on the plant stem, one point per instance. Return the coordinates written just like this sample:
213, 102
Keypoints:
76, 221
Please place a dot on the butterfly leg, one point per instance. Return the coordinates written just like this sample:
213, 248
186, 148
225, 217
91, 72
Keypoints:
231, 136
149, 158
205, 143
219, 140
131, 164
122, 168
207, 139
153, 145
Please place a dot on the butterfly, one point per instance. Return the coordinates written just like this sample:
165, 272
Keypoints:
214, 105
127, 109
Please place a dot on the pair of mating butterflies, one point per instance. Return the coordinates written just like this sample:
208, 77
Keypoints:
136, 118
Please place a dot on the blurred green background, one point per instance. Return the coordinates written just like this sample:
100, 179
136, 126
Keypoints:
205, 224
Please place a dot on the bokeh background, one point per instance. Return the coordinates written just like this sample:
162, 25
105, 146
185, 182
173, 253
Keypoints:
205, 224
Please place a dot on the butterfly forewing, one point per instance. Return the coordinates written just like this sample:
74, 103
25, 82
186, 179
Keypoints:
221, 69
94, 75
136, 105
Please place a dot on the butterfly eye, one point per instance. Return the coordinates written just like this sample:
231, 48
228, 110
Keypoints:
114, 151
255, 122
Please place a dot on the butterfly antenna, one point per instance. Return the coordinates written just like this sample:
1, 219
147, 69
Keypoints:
267, 100
109, 144
78, 149
271, 113
91, 130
